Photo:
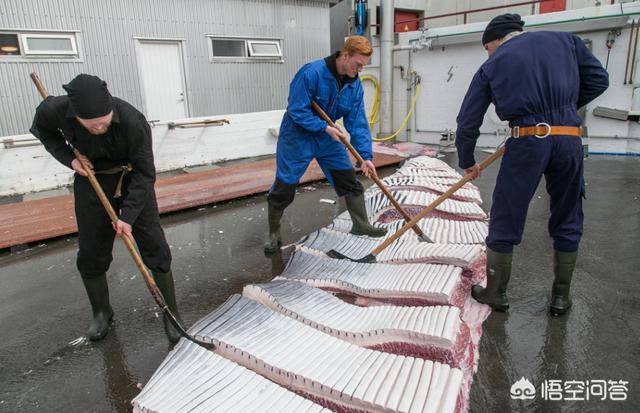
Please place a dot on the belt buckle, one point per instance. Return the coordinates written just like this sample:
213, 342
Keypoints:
515, 132
546, 134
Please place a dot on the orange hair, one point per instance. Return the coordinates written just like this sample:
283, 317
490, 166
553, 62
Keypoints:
357, 45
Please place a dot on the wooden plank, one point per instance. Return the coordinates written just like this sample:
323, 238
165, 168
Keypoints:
37, 220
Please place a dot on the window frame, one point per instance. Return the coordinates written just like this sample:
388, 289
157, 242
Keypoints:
244, 47
251, 53
249, 58
19, 44
39, 56
26, 51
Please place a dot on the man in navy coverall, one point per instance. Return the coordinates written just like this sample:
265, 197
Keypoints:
537, 81
334, 84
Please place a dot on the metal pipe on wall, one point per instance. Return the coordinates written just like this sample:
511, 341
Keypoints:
409, 80
386, 68
635, 74
626, 65
635, 52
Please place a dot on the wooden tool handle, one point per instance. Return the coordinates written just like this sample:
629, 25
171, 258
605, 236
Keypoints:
374, 177
327, 119
41, 89
498, 153
148, 279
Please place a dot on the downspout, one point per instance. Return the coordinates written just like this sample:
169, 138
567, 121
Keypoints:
626, 65
409, 129
386, 68
414, 46
635, 73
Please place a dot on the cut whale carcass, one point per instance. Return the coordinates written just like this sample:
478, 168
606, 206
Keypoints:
436, 333
193, 379
400, 251
330, 371
401, 284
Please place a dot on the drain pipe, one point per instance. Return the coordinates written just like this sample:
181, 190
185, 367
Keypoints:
386, 69
414, 46
635, 74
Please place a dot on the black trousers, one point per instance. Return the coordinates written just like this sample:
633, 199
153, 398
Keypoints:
96, 234
345, 183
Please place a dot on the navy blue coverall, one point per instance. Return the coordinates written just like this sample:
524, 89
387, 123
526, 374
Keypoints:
532, 78
303, 137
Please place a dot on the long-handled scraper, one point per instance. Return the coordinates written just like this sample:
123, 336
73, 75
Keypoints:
377, 250
148, 279
421, 235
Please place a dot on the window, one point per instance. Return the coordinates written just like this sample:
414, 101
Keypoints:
49, 44
9, 45
264, 48
23, 45
240, 49
228, 48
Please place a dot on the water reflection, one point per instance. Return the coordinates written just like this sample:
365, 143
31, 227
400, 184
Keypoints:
277, 261
120, 385
553, 362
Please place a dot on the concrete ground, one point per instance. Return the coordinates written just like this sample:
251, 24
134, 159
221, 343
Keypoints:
45, 365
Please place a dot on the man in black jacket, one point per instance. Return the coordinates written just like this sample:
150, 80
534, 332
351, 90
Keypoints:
115, 139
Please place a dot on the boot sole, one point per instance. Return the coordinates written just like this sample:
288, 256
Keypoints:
368, 235
103, 335
556, 312
498, 307
271, 250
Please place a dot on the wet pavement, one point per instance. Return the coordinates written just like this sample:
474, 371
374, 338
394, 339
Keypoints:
45, 365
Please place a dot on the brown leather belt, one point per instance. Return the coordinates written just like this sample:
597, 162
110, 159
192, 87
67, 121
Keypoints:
542, 130
122, 170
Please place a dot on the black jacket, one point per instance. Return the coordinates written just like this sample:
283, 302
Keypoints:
128, 140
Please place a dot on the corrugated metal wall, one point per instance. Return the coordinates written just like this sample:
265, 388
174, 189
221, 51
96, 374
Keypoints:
108, 29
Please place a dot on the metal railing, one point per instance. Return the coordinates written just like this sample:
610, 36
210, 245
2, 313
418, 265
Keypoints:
466, 13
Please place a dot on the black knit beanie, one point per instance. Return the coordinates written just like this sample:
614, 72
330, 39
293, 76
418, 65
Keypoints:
89, 96
502, 25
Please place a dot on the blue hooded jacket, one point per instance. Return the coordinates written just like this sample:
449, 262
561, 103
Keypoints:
314, 81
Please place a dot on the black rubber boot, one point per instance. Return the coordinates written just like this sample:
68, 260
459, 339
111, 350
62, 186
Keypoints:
358, 212
498, 274
274, 240
98, 292
563, 265
164, 281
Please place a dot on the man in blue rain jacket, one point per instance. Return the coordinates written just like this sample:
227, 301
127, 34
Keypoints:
334, 84
537, 81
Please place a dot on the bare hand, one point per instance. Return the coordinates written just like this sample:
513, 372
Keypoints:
335, 133
369, 169
77, 166
474, 170
122, 227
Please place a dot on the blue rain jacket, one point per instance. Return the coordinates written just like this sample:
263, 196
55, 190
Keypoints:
534, 77
302, 136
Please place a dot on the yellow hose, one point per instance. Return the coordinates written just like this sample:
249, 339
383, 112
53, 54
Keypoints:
376, 99
376, 104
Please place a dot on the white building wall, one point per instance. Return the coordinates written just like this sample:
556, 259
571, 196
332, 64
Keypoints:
32, 168
448, 66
